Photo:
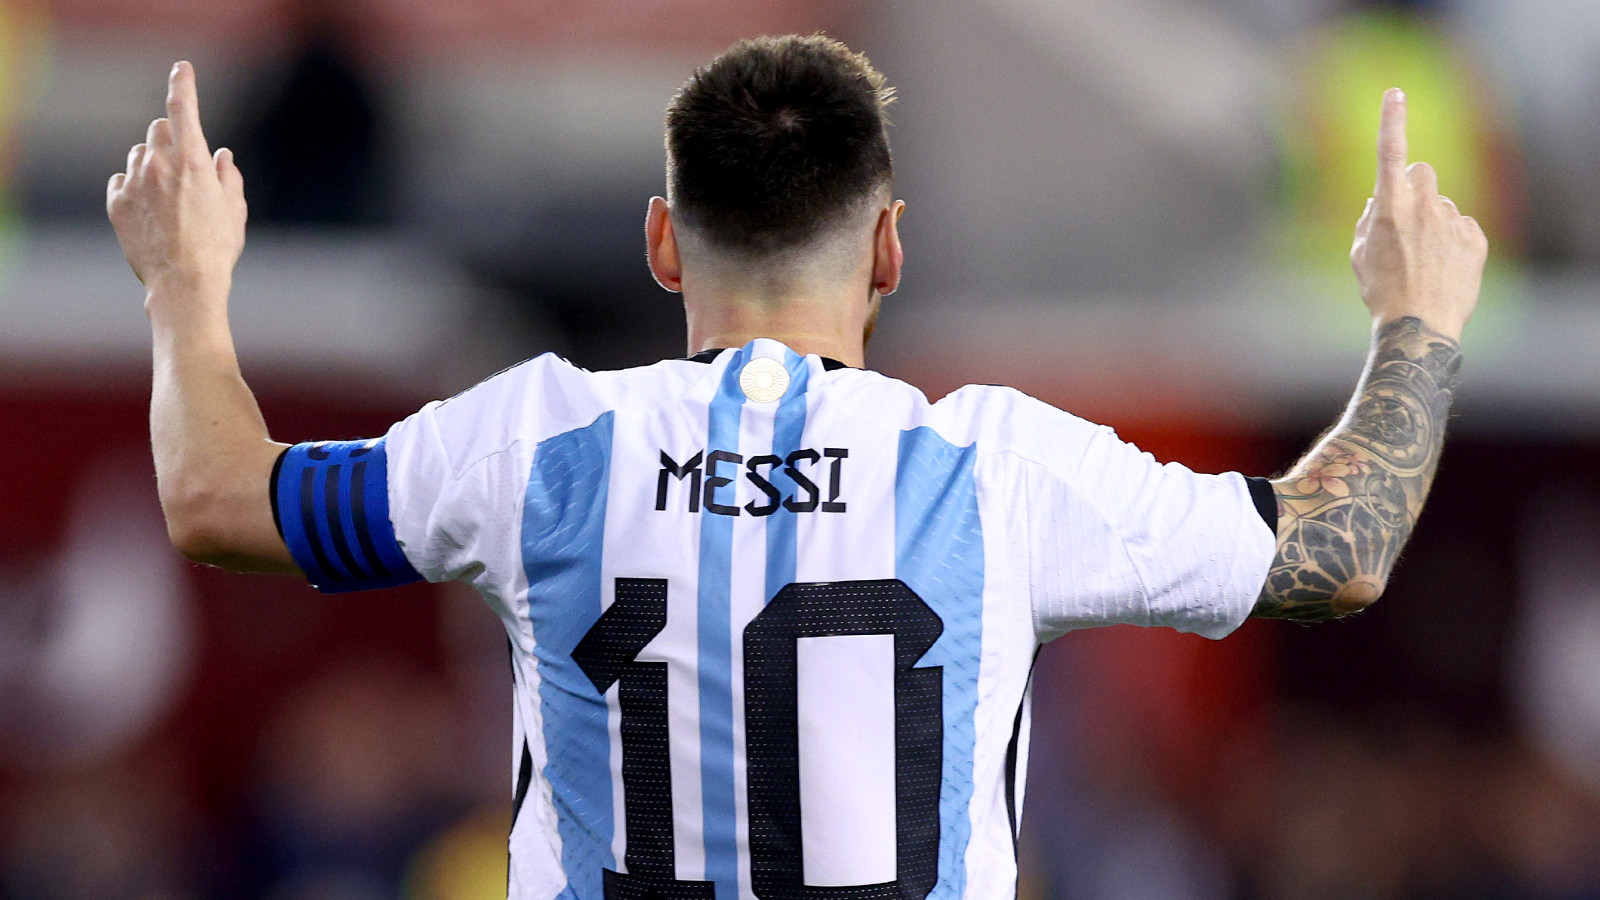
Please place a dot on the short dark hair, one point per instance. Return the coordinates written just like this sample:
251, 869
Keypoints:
775, 141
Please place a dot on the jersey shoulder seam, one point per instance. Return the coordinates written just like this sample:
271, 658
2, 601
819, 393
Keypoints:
472, 461
457, 472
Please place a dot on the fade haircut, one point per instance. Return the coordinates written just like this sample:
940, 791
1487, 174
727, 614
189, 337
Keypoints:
775, 142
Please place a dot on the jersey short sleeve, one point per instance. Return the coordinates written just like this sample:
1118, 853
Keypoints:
439, 496
459, 468
447, 488
359, 515
1114, 537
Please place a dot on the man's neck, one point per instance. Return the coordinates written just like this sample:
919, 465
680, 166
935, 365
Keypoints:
827, 323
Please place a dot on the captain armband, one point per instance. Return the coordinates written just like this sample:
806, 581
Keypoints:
330, 501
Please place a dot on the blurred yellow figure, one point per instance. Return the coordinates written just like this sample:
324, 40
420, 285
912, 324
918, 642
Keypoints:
467, 861
24, 33
1328, 138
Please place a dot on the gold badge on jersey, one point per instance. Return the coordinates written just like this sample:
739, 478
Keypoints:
764, 380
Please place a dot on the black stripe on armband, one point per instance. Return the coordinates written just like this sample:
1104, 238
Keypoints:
1265, 499
331, 504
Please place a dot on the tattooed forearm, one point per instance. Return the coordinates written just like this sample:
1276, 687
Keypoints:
1347, 508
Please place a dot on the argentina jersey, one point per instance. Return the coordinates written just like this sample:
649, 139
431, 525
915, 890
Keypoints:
773, 619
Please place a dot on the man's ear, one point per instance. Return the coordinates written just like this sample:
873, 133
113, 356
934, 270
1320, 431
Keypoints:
661, 246
887, 255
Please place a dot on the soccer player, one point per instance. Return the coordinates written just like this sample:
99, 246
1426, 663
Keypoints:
773, 615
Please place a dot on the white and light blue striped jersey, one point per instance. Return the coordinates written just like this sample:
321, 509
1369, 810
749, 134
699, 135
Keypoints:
772, 619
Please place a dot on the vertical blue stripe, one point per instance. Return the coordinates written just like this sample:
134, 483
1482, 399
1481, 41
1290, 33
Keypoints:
720, 828
788, 426
563, 526
938, 543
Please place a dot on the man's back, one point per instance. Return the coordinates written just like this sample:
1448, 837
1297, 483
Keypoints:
773, 618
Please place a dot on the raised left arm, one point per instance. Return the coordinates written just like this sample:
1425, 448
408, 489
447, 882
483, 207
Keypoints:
1348, 507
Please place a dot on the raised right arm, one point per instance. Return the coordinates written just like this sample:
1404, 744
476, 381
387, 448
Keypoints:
179, 213
1346, 509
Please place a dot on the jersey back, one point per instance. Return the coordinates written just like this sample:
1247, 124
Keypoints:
772, 619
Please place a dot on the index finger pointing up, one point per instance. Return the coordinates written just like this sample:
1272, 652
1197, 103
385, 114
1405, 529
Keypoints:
183, 109
1391, 144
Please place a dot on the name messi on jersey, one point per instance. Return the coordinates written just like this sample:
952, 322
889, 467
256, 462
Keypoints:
790, 482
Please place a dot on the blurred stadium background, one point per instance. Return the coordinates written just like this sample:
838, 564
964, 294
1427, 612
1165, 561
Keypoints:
1136, 209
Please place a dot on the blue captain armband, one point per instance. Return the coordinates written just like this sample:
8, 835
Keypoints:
330, 501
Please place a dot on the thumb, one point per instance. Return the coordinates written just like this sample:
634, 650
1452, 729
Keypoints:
1364, 224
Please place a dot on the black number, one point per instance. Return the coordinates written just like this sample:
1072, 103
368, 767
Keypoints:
608, 653
771, 696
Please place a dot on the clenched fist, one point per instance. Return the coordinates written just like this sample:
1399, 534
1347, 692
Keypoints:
179, 211
1415, 254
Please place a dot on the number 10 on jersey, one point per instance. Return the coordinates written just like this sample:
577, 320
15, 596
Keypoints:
782, 770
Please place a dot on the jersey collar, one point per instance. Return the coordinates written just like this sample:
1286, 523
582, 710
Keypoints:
706, 356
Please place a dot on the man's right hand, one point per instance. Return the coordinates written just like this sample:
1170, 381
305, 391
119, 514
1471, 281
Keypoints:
1414, 253
178, 211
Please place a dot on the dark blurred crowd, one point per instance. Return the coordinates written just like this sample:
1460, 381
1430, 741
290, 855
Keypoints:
1316, 806
356, 791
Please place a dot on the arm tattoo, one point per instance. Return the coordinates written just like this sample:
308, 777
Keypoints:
1346, 509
